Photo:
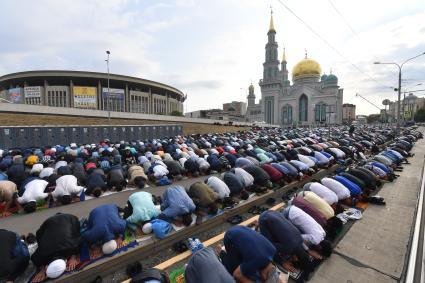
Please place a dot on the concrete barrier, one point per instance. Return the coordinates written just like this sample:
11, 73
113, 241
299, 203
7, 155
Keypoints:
37, 136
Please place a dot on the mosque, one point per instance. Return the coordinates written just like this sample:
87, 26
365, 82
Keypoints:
311, 99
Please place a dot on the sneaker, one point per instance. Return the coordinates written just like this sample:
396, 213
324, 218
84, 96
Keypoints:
353, 213
195, 244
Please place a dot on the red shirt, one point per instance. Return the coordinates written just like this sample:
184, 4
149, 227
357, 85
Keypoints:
275, 175
220, 150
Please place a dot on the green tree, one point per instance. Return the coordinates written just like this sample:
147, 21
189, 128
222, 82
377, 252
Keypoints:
176, 113
373, 118
420, 115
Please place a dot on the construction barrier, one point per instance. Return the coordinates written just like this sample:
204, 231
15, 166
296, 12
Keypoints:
37, 136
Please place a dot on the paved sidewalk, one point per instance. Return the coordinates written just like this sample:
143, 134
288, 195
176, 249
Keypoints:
375, 248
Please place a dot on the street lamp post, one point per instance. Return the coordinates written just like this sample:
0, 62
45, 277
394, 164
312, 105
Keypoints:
109, 96
400, 66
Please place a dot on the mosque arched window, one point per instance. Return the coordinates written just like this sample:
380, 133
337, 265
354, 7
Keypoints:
287, 114
303, 108
320, 112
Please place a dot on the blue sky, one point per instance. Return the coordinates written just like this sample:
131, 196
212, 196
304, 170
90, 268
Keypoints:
211, 50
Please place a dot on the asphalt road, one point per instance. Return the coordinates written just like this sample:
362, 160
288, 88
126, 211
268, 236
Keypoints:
23, 224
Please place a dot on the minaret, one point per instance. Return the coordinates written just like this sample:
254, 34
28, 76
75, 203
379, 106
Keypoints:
251, 95
283, 68
271, 63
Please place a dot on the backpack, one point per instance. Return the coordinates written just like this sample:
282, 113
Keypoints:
161, 228
151, 274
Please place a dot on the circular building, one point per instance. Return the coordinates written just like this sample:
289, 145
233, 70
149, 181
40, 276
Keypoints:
90, 90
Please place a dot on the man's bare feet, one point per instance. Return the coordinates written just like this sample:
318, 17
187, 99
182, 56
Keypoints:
315, 254
72, 263
289, 266
218, 249
265, 271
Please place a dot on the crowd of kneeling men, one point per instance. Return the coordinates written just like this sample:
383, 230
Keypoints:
249, 162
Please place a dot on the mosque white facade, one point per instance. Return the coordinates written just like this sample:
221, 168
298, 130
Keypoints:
311, 99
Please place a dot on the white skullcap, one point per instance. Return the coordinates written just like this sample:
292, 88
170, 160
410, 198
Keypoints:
56, 268
147, 228
109, 247
36, 168
72, 145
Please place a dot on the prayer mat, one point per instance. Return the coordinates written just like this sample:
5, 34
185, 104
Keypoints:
87, 256
177, 276
41, 204
362, 205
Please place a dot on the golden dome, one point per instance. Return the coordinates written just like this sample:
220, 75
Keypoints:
306, 67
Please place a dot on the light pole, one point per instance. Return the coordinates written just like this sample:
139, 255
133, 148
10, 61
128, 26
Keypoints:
109, 96
400, 66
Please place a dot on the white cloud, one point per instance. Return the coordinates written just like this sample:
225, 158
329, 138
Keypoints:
212, 49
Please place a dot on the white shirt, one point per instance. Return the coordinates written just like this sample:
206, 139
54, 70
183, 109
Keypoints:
247, 178
66, 185
339, 153
203, 164
321, 157
304, 159
339, 189
253, 160
46, 172
192, 154
219, 187
34, 191
310, 230
185, 155
325, 193
60, 164
159, 171
182, 161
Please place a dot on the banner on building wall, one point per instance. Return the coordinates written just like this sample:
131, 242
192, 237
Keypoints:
15, 95
85, 97
32, 91
114, 93
4, 94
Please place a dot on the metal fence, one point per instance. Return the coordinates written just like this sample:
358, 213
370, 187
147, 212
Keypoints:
35, 136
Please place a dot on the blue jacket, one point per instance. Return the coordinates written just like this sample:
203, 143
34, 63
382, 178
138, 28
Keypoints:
282, 169
104, 224
176, 202
300, 165
381, 166
293, 171
354, 189
255, 251
242, 161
